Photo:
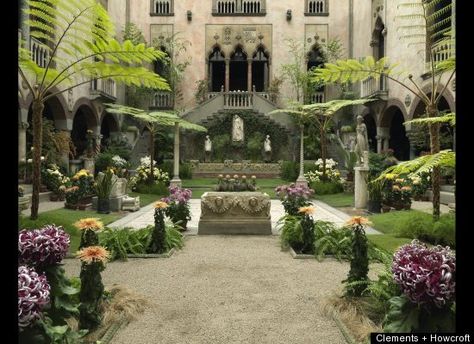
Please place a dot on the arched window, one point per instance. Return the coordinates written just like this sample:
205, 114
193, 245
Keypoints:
238, 70
216, 70
260, 70
162, 7
315, 58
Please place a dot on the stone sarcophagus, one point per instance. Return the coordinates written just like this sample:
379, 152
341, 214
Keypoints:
235, 213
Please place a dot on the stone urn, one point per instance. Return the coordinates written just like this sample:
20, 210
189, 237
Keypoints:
23, 203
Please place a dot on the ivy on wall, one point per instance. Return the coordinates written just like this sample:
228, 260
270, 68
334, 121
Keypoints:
256, 127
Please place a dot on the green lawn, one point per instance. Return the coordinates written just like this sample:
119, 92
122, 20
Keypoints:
146, 199
66, 218
388, 242
337, 200
388, 222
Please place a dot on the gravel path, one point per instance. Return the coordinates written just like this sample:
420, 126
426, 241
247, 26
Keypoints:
228, 289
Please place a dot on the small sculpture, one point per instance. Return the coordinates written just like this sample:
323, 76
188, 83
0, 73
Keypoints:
207, 148
267, 147
238, 129
362, 140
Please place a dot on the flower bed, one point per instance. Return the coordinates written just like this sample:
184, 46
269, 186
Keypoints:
237, 183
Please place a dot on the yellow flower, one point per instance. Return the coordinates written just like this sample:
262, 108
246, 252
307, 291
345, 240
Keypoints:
161, 205
399, 180
390, 176
306, 210
395, 188
92, 254
89, 223
406, 188
358, 220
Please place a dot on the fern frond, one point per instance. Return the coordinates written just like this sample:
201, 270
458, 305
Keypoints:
447, 118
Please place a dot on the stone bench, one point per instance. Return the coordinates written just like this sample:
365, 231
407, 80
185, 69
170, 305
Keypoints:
130, 203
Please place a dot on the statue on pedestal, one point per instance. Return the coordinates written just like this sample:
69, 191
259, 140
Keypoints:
362, 141
207, 149
267, 147
237, 129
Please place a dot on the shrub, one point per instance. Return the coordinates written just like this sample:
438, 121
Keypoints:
159, 189
178, 205
291, 232
289, 170
326, 188
332, 240
255, 145
422, 227
102, 161
118, 145
185, 169
142, 173
53, 178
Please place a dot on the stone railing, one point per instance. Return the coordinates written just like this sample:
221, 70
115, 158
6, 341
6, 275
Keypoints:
316, 97
39, 52
161, 100
211, 95
264, 95
316, 8
440, 53
245, 167
238, 7
105, 87
372, 86
238, 100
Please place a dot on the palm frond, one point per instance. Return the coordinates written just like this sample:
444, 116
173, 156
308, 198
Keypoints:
447, 118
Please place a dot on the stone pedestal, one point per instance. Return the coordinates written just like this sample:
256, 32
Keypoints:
74, 166
235, 213
361, 194
89, 164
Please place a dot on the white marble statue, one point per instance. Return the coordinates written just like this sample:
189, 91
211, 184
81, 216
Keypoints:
208, 144
362, 140
238, 129
267, 145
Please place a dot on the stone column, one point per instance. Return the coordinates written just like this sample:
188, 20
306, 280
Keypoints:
301, 178
249, 75
65, 156
227, 74
386, 143
176, 181
379, 143
361, 194
22, 126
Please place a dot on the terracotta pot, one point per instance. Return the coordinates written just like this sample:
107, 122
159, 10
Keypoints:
385, 208
70, 206
82, 206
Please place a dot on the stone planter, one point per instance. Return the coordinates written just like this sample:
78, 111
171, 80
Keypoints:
235, 213
23, 203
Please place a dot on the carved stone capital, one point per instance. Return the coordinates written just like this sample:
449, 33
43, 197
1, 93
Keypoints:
23, 125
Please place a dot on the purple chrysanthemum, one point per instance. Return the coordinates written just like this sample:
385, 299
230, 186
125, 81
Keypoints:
33, 295
178, 195
293, 191
43, 247
426, 275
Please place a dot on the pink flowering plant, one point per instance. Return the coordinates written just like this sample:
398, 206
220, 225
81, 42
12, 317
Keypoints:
427, 278
41, 276
33, 296
43, 247
178, 205
293, 197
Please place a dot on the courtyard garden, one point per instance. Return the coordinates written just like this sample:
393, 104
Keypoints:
248, 216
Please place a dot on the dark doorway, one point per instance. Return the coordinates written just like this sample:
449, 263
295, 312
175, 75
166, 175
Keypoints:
398, 138
216, 70
107, 127
238, 71
371, 132
83, 121
260, 70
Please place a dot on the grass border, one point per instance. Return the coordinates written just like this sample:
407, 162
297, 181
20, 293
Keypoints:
343, 329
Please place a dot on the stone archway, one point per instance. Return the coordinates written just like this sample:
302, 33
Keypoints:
84, 120
371, 125
108, 127
260, 69
393, 119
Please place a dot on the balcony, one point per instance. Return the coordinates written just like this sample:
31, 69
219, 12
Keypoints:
238, 8
372, 87
162, 101
39, 52
105, 88
441, 52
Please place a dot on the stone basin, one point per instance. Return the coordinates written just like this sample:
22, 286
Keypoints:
235, 213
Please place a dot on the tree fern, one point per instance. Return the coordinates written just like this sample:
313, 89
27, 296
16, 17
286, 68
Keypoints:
76, 34
449, 118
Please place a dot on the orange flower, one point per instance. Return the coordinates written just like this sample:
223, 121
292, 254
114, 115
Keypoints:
406, 188
161, 205
89, 223
359, 221
306, 210
93, 254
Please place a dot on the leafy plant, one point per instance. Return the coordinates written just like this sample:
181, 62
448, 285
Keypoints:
331, 240
104, 184
76, 35
326, 188
157, 243
202, 89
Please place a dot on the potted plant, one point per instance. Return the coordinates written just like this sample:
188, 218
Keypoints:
72, 197
103, 187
